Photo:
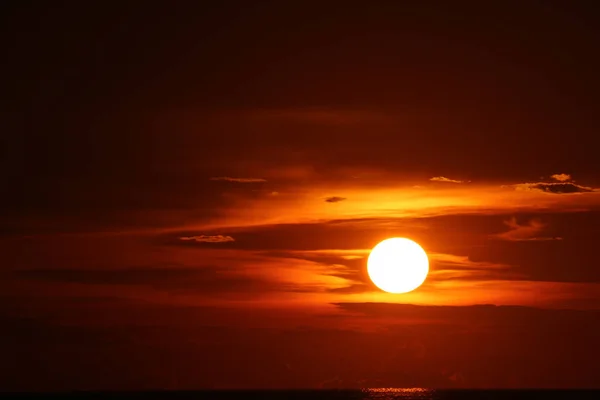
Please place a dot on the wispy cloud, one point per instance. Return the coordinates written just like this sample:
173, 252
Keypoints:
334, 199
382, 201
524, 232
208, 238
238, 180
561, 177
444, 179
312, 277
446, 269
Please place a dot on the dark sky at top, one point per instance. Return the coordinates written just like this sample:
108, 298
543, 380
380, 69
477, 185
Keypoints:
511, 88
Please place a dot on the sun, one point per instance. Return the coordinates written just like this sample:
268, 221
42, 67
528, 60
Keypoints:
398, 265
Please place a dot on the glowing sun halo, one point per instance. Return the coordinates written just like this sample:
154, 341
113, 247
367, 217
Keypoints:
398, 265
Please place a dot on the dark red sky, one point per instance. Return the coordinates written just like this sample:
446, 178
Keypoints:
190, 193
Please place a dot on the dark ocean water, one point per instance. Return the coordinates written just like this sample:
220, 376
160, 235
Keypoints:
364, 394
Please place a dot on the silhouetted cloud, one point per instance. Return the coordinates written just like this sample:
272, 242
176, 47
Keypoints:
524, 232
208, 238
335, 199
482, 313
554, 187
238, 180
561, 177
174, 279
444, 179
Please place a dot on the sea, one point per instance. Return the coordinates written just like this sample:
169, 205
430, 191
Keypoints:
332, 394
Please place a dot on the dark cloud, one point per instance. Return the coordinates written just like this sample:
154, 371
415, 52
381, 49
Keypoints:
132, 276
208, 238
566, 260
555, 187
336, 234
238, 180
523, 232
216, 281
334, 199
486, 314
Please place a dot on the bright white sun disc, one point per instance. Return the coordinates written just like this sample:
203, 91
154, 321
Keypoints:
398, 265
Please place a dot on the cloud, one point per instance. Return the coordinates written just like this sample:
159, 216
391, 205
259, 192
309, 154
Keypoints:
335, 199
533, 256
302, 192
228, 274
208, 238
444, 179
310, 235
349, 265
218, 281
554, 187
238, 180
524, 232
373, 201
561, 177
482, 313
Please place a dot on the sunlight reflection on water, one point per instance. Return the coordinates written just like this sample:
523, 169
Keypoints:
397, 393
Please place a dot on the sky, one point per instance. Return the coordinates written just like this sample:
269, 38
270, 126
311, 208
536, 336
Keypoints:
190, 194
